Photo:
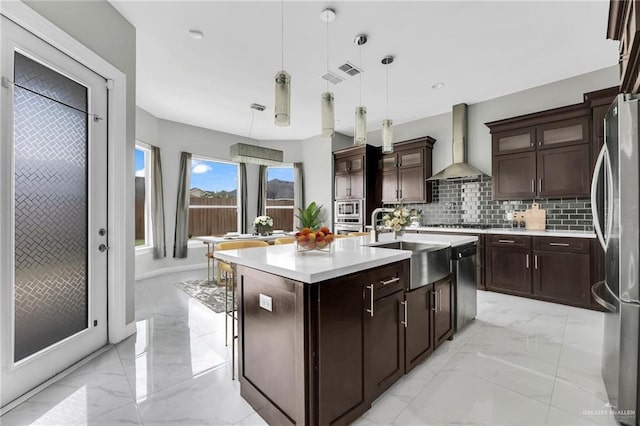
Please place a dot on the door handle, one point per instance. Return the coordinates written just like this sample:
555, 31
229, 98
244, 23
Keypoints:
439, 300
594, 292
535, 261
527, 257
594, 192
506, 241
102, 248
559, 244
533, 185
610, 195
370, 310
539, 185
102, 232
405, 314
435, 301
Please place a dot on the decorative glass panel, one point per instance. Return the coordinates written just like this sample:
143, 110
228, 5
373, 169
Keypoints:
51, 295
510, 143
562, 134
411, 159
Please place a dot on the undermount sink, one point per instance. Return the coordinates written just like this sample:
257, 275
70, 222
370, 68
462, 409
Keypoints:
429, 262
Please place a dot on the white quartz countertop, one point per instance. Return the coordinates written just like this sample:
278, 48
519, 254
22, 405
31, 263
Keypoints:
510, 231
348, 255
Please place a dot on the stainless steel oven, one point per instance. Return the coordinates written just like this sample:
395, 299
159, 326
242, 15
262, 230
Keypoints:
350, 211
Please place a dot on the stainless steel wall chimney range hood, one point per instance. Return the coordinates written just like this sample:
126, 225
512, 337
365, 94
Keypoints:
460, 169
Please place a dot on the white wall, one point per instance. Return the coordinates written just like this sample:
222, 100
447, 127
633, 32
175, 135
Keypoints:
172, 138
98, 26
556, 94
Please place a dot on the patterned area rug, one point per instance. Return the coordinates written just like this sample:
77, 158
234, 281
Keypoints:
208, 293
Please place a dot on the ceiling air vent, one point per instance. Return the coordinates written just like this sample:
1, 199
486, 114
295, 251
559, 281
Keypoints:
257, 107
332, 77
350, 69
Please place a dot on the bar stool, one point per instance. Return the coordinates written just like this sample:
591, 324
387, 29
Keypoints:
227, 269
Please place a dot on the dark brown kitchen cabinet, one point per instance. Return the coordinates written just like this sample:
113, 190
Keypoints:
514, 176
564, 172
562, 277
599, 101
355, 177
384, 344
442, 312
507, 270
402, 174
554, 269
624, 26
349, 164
349, 185
419, 331
545, 154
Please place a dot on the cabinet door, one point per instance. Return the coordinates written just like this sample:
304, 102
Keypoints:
562, 277
388, 162
512, 141
357, 185
343, 186
565, 132
514, 176
341, 354
411, 158
341, 165
389, 186
508, 270
418, 333
442, 314
384, 344
356, 164
411, 185
564, 172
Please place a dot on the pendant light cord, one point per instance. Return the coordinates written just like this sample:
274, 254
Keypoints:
360, 51
387, 91
282, 33
327, 18
253, 116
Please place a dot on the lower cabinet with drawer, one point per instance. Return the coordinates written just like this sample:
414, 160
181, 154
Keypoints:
553, 269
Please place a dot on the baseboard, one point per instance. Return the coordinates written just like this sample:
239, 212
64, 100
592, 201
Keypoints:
171, 270
118, 334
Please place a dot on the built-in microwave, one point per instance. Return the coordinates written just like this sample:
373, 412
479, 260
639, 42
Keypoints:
350, 211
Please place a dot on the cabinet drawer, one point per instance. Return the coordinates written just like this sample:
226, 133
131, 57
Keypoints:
389, 279
574, 245
515, 241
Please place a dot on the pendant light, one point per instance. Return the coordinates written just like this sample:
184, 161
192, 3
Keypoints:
387, 124
327, 109
360, 125
283, 84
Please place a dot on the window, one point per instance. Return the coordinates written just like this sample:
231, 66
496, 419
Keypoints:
280, 197
143, 195
213, 205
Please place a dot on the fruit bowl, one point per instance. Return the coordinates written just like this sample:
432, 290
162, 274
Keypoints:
314, 240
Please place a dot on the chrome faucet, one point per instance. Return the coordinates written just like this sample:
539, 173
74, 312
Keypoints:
374, 227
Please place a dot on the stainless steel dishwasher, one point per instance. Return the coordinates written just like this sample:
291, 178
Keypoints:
465, 291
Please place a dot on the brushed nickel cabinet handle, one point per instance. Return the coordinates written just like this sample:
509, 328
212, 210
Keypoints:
539, 185
533, 185
439, 300
435, 302
506, 241
535, 261
370, 310
527, 261
405, 314
559, 244
391, 281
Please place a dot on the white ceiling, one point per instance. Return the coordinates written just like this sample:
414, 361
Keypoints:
479, 49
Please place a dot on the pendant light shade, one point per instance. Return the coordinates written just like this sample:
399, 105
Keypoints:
328, 115
387, 136
360, 126
283, 98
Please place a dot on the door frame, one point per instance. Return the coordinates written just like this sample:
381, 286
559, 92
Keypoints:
118, 174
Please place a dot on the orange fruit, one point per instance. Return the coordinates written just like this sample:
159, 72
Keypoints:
311, 245
302, 240
319, 234
305, 231
329, 238
321, 243
325, 230
311, 237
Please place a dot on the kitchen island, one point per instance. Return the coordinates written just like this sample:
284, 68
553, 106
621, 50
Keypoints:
322, 335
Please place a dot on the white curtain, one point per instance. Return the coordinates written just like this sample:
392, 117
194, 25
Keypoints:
298, 193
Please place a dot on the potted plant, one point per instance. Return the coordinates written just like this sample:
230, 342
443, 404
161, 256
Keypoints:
263, 225
397, 220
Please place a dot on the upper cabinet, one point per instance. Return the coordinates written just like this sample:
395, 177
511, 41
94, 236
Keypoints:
624, 26
355, 175
545, 154
402, 174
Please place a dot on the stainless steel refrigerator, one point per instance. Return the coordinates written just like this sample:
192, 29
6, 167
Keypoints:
615, 203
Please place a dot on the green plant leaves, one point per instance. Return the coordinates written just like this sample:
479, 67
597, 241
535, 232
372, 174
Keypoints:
310, 216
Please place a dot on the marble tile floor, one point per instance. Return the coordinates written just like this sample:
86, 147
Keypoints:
522, 362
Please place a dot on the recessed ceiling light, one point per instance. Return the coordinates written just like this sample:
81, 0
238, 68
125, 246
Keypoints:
197, 34
328, 15
438, 85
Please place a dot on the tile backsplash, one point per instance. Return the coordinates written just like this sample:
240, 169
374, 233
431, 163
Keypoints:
469, 201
